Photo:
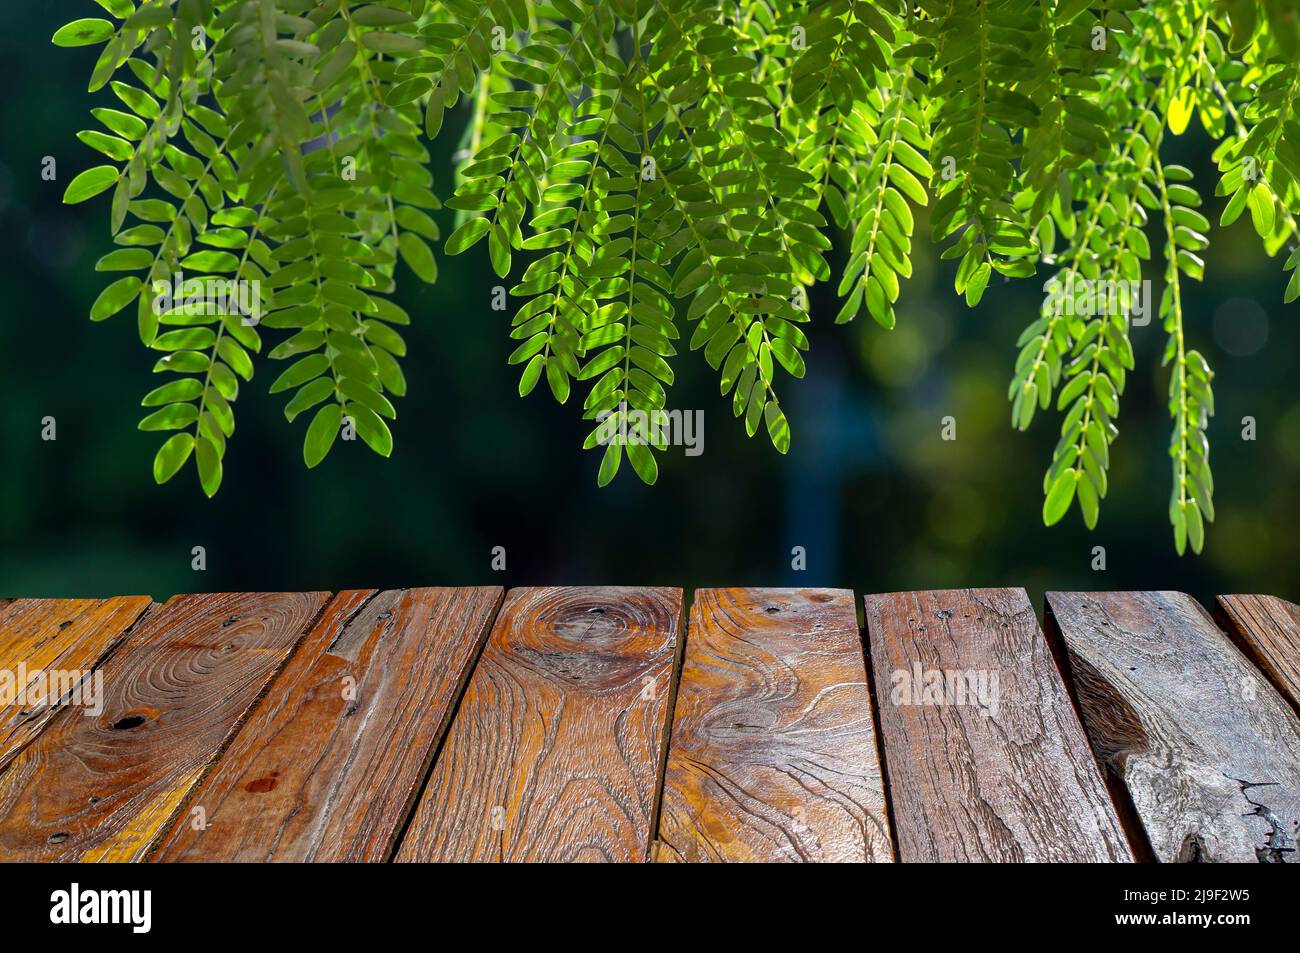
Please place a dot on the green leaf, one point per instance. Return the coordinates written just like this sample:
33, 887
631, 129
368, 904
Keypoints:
609, 462
310, 395
90, 183
1261, 210
210, 261
119, 8
187, 388
1235, 206
1059, 496
643, 462
1181, 108
1195, 528
499, 251
1089, 505
322, 433
115, 297
418, 257
83, 32
171, 456
978, 282
376, 15
372, 429
531, 375
558, 379
171, 417
208, 459
465, 237
777, 427
125, 259
382, 42
113, 147
300, 372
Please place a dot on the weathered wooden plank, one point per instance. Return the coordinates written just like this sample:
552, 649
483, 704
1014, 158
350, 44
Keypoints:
1207, 750
986, 759
555, 752
1267, 630
772, 755
48, 649
104, 788
330, 764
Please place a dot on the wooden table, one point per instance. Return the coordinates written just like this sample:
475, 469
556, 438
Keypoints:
616, 724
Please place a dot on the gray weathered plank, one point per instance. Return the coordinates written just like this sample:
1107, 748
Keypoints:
1206, 748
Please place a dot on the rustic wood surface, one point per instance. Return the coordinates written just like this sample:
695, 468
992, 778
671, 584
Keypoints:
103, 788
1011, 780
1206, 748
330, 764
442, 724
555, 752
59, 641
773, 752
1267, 630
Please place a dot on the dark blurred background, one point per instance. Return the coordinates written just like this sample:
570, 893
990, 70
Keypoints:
877, 499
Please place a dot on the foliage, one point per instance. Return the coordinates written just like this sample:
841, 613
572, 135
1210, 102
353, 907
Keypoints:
657, 176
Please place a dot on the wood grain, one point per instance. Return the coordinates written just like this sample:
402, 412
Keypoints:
555, 752
48, 649
986, 759
104, 788
1206, 748
330, 764
772, 755
1267, 630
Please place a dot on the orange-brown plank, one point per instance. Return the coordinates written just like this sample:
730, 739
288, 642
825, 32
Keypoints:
48, 649
329, 766
772, 755
104, 788
555, 752
1207, 749
986, 759
1267, 630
